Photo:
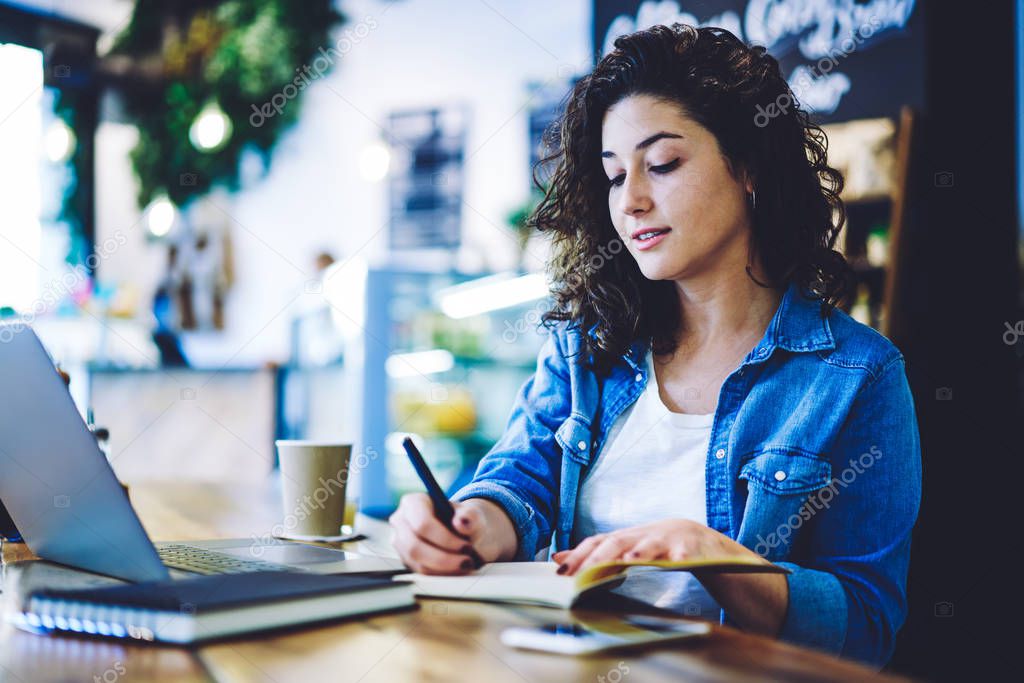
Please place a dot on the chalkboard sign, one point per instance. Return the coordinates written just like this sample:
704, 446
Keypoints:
844, 60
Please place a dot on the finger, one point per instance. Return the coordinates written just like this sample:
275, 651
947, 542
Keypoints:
647, 549
402, 526
470, 523
576, 556
431, 560
427, 559
679, 552
418, 514
610, 549
401, 540
468, 520
560, 555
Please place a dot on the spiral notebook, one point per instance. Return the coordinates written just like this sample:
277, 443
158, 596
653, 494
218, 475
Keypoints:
208, 607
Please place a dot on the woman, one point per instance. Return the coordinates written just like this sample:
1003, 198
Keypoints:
699, 394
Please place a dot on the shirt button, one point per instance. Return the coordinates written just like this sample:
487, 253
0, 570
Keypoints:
720, 453
780, 475
582, 445
639, 377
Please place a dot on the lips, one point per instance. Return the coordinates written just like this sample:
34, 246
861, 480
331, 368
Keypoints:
646, 232
645, 238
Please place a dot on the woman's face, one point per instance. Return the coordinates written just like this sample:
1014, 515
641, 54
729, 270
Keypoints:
667, 176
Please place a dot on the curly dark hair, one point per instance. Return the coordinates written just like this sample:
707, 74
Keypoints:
723, 85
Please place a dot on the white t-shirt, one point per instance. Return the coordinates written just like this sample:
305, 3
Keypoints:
651, 467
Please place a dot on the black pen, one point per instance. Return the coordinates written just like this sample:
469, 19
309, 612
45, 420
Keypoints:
443, 509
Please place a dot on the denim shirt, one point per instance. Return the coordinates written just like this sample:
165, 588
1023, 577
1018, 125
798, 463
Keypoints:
814, 463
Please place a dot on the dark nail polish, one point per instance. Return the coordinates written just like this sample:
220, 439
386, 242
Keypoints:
466, 549
466, 564
563, 568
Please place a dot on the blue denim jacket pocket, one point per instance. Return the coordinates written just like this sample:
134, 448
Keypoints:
779, 481
575, 437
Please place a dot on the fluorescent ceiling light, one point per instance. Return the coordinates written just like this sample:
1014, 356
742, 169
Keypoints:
491, 293
419, 363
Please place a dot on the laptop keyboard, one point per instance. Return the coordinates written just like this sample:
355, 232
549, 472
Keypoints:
202, 561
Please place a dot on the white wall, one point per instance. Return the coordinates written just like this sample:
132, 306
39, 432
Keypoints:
420, 53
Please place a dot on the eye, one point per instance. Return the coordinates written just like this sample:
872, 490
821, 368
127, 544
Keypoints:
666, 168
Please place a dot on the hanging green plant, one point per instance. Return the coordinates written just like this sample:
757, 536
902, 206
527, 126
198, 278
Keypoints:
204, 80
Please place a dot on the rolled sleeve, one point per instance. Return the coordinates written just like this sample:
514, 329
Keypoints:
522, 516
816, 615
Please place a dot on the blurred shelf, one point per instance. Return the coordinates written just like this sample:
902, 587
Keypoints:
469, 361
108, 368
473, 436
303, 367
472, 362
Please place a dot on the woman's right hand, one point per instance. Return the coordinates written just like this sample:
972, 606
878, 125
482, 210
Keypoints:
428, 547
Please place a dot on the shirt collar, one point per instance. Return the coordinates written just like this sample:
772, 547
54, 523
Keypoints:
798, 324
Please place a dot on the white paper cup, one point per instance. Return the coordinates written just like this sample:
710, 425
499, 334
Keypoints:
314, 475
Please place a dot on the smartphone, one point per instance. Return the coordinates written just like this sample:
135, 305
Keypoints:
587, 636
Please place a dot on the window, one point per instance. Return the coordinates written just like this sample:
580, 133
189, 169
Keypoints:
21, 139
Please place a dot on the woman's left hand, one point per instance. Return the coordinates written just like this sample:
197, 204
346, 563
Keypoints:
668, 539
756, 602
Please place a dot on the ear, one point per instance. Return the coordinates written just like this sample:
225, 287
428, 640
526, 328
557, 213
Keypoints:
748, 181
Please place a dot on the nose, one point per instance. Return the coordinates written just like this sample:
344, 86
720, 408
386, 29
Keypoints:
634, 200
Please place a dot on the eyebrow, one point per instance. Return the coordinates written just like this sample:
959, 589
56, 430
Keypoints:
644, 143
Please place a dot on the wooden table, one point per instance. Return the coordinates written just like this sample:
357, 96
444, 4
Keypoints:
443, 640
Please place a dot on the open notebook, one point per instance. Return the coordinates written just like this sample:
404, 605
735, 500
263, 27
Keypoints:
538, 583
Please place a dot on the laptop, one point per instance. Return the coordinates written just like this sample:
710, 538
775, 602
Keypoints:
69, 507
